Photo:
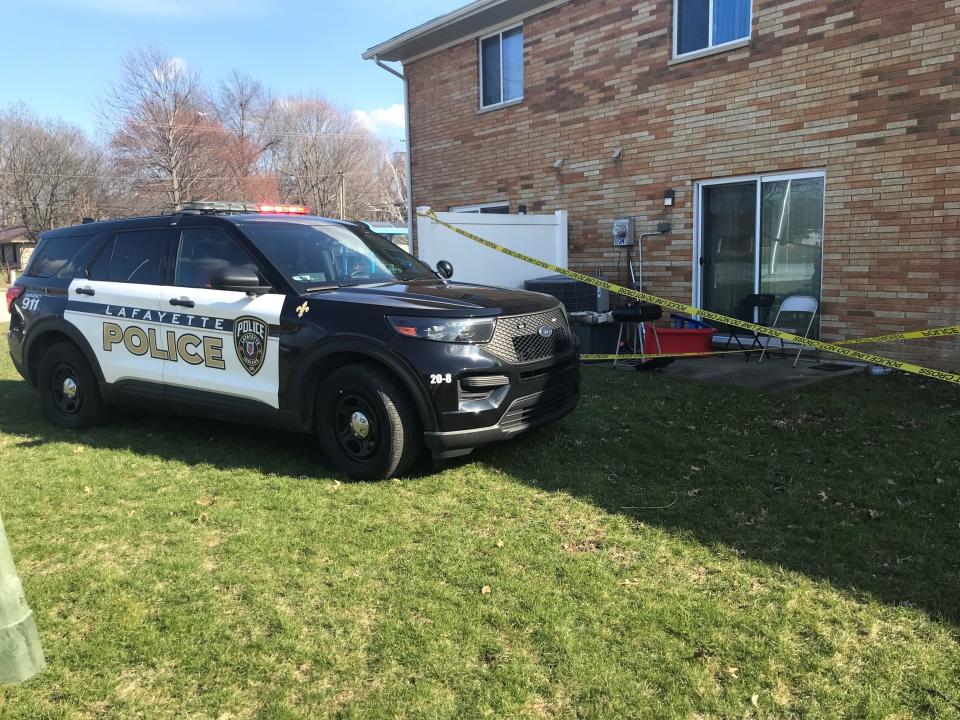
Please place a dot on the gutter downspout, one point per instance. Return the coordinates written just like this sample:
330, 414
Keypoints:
408, 153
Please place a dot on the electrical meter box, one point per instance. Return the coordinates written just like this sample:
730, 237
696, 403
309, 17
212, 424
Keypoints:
623, 232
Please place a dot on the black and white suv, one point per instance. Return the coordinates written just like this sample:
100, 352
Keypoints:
294, 321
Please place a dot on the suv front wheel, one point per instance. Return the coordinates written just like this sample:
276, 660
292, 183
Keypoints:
366, 423
69, 394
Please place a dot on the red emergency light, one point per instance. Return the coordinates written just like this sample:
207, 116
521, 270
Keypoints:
283, 210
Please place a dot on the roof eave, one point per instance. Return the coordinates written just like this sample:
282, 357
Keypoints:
460, 24
384, 49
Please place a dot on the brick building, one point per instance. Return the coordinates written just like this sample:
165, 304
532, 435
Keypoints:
809, 147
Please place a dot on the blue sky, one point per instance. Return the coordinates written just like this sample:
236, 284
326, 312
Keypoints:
57, 56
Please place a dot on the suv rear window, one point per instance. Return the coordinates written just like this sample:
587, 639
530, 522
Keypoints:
53, 253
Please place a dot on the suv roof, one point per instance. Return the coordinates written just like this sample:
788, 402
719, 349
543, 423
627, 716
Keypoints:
90, 228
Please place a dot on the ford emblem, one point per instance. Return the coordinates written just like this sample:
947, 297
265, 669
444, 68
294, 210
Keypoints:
545, 331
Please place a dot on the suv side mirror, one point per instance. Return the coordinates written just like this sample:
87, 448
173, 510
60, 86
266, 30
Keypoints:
238, 278
445, 269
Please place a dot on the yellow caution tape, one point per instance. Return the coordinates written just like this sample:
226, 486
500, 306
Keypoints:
915, 334
660, 356
697, 312
912, 335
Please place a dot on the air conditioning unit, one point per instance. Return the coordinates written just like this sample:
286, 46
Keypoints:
575, 295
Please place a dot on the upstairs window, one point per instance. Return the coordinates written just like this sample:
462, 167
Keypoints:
501, 68
706, 24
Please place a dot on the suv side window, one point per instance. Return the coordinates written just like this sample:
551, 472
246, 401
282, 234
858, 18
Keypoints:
131, 257
204, 252
53, 253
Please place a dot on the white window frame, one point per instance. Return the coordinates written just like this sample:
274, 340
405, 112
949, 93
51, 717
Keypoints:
759, 180
481, 206
710, 49
523, 89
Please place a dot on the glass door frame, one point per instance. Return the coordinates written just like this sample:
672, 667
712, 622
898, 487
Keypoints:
741, 179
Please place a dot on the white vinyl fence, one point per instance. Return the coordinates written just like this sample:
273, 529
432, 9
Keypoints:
541, 236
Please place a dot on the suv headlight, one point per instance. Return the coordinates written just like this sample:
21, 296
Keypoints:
452, 330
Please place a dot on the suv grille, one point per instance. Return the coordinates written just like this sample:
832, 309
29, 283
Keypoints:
517, 338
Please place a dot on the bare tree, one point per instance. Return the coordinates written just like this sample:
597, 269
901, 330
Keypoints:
170, 141
391, 199
164, 134
245, 108
50, 173
325, 158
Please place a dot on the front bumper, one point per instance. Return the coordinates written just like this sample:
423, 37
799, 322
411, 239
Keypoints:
539, 394
523, 415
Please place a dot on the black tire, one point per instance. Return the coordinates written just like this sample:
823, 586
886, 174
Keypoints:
393, 438
75, 408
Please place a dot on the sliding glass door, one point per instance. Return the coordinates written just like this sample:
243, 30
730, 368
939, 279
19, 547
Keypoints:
729, 240
759, 235
791, 237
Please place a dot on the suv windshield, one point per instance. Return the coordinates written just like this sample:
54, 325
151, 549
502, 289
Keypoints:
316, 254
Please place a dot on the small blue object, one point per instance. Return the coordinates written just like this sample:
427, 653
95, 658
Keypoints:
684, 323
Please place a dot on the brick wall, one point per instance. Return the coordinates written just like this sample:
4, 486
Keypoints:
868, 90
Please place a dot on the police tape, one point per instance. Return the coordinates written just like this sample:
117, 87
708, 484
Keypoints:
912, 335
685, 309
593, 357
939, 332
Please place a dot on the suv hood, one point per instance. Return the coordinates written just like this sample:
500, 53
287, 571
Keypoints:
446, 299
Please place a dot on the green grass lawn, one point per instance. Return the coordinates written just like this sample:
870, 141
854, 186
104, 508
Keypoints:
669, 550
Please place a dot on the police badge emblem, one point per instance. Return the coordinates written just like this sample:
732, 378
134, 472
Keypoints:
250, 340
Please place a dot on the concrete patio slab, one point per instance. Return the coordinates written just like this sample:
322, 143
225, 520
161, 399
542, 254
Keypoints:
773, 374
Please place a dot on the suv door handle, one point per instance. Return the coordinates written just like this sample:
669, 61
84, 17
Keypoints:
85, 291
182, 302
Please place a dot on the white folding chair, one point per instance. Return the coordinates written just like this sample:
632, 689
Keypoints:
793, 304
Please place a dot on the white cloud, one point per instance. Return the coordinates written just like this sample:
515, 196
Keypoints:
389, 121
170, 70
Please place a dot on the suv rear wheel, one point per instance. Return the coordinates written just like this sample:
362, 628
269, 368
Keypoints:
366, 423
69, 394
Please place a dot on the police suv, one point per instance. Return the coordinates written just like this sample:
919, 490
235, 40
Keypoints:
267, 315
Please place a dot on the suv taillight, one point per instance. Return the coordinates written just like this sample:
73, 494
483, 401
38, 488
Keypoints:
12, 294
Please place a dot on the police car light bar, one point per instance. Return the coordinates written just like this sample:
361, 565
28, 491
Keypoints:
283, 209
218, 206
